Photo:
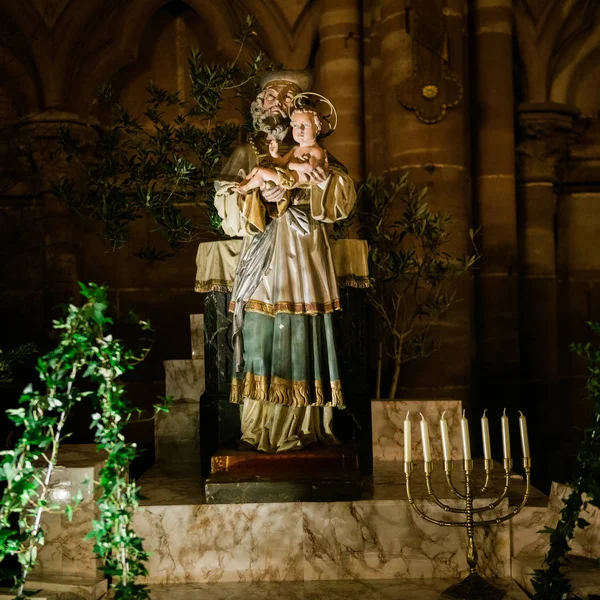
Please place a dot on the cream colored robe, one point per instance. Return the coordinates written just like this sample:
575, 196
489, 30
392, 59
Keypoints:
300, 280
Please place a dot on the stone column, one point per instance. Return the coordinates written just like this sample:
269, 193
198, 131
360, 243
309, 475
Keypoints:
44, 235
435, 155
372, 78
495, 209
339, 78
544, 130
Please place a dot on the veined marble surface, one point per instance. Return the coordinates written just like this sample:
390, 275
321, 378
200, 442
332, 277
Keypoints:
197, 335
184, 379
172, 484
586, 542
388, 427
222, 542
69, 588
177, 433
66, 552
387, 539
309, 541
322, 590
190, 541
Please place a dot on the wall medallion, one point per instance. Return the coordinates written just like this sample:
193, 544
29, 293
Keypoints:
431, 90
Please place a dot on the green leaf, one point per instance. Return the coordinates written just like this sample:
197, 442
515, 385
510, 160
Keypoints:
69, 512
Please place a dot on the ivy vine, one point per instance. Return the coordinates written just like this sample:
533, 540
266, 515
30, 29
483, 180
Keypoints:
87, 363
551, 583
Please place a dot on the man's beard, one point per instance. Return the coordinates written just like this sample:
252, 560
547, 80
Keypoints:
274, 124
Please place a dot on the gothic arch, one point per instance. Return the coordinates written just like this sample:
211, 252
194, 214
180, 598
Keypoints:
546, 33
285, 41
121, 49
576, 65
27, 68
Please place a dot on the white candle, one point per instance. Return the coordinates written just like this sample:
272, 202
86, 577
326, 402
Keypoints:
407, 439
524, 436
445, 438
505, 435
466, 440
485, 433
425, 439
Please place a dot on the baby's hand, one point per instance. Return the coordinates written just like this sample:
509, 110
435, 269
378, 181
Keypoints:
274, 148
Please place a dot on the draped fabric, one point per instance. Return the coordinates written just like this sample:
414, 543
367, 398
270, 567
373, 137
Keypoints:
284, 294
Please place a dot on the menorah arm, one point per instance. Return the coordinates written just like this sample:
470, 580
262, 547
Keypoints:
515, 511
452, 487
437, 501
484, 488
496, 502
425, 516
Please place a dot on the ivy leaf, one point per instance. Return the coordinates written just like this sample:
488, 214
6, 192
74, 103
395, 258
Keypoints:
69, 512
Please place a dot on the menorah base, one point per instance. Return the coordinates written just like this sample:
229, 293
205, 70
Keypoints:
473, 587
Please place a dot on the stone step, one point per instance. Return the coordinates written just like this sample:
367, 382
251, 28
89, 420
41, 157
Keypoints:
297, 541
582, 572
58, 587
423, 589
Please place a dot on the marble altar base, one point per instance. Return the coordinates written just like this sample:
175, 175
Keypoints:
370, 539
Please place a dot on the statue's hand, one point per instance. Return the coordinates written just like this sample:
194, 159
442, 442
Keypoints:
320, 174
273, 194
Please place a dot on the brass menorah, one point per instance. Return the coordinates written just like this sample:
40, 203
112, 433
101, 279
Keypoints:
474, 586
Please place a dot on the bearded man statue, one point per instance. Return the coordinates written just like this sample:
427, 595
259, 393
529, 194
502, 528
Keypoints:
285, 292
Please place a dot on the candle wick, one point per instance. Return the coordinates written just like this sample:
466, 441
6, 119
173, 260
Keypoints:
484, 417
407, 414
521, 414
422, 417
504, 413
464, 411
443, 415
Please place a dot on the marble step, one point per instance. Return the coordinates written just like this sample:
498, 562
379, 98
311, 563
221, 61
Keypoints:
381, 538
223, 488
582, 572
57, 587
424, 589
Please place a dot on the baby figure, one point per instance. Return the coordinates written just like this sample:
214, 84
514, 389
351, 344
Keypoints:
295, 167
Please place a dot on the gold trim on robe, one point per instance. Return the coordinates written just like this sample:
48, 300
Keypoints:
213, 285
290, 308
276, 390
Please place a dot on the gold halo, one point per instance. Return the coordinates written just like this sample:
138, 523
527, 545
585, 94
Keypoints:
295, 105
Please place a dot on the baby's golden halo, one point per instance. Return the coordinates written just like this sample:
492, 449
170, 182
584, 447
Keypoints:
303, 103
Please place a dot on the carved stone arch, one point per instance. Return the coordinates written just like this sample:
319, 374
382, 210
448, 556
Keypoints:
119, 46
544, 30
28, 61
21, 87
576, 65
286, 38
